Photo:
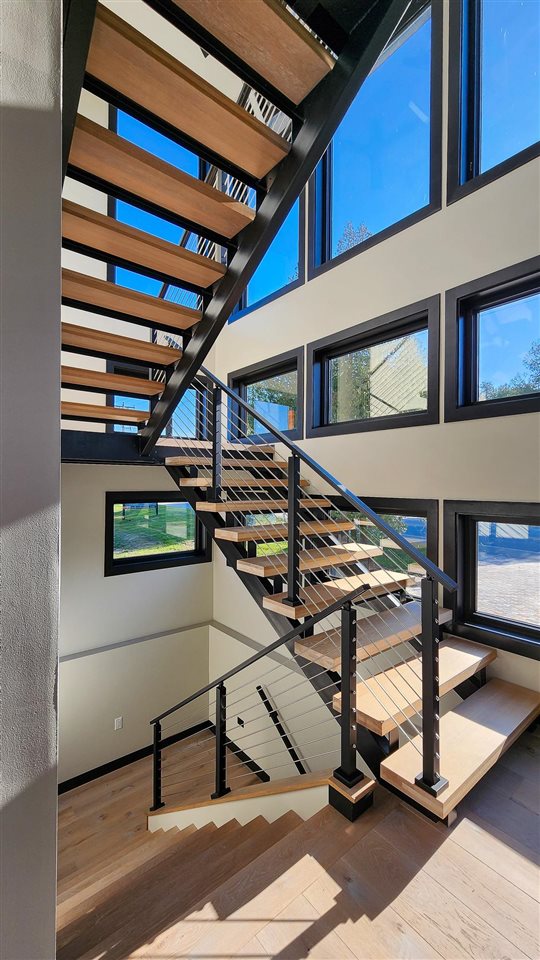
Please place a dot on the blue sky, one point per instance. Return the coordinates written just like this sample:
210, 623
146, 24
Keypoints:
505, 336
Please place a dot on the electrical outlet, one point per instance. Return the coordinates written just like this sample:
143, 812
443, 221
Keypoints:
118, 723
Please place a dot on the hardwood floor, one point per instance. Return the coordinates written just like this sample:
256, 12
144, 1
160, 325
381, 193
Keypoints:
391, 885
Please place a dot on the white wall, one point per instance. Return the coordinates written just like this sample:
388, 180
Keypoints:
30, 163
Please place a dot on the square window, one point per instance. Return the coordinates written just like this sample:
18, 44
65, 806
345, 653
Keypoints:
274, 388
508, 571
151, 531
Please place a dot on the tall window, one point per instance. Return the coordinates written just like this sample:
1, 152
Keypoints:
377, 171
494, 118
150, 531
281, 268
493, 345
382, 373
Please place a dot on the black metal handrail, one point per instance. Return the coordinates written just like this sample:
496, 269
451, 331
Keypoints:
431, 568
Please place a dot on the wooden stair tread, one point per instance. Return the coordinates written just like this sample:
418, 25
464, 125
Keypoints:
247, 506
110, 299
240, 482
130, 63
96, 411
390, 628
472, 737
276, 565
116, 242
196, 460
101, 382
316, 597
392, 696
114, 160
264, 35
278, 531
99, 343
204, 445
269, 789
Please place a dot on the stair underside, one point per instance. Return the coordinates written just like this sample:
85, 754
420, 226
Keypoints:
276, 565
391, 697
252, 506
98, 343
278, 531
374, 634
103, 297
239, 482
472, 737
318, 596
130, 63
247, 462
115, 161
285, 53
79, 378
102, 413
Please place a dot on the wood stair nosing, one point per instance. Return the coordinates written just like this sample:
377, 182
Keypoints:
391, 697
105, 238
99, 343
277, 564
374, 634
472, 737
254, 506
98, 381
102, 414
239, 483
112, 300
313, 599
279, 531
286, 55
125, 61
116, 162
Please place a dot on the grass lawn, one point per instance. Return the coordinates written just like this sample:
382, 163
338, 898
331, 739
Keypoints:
142, 529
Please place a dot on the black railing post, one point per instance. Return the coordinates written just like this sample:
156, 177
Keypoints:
221, 743
217, 453
348, 772
293, 531
430, 778
157, 802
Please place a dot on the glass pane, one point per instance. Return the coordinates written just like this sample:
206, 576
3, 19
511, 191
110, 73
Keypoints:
279, 266
509, 349
381, 151
276, 399
152, 529
383, 380
508, 571
510, 79
132, 403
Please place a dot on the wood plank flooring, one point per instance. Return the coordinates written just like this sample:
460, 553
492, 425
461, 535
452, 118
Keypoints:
392, 885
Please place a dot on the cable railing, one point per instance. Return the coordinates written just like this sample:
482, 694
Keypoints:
312, 565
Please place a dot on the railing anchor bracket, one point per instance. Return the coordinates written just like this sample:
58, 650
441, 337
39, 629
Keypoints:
433, 788
346, 779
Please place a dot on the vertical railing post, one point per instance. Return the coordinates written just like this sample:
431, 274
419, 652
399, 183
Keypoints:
430, 778
157, 802
293, 531
348, 772
217, 453
221, 743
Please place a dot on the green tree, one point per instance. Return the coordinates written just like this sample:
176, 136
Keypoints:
352, 236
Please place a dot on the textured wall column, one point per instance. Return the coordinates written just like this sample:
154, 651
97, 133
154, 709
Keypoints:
30, 180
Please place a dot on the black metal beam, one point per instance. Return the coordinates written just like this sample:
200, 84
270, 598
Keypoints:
216, 49
78, 25
88, 446
324, 109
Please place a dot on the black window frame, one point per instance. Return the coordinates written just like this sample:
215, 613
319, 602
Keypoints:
464, 78
201, 554
460, 563
319, 198
425, 314
461, 343
244, 309
427, 509
239, 380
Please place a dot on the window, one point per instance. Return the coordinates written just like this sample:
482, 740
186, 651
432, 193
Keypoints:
274, 388
149, 531
282, 267
493, 345
380, 374
382, 168
494, 116
415, 520
493, 550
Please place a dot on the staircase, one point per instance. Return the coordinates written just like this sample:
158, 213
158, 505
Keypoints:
354, 605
